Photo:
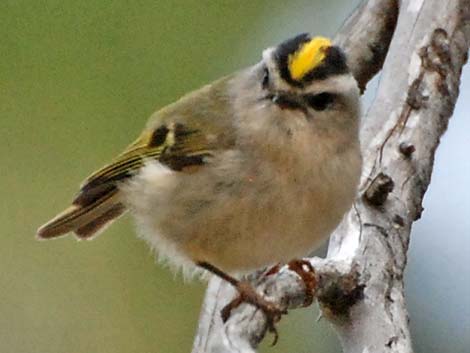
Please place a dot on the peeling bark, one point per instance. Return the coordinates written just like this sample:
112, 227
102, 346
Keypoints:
360, 284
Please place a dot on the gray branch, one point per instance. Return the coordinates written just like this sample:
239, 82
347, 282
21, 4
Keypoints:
421, 46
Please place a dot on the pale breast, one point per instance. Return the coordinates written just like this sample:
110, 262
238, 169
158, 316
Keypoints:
276, 215
240, 218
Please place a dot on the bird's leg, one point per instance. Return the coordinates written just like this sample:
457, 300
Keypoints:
247, 294
272, 270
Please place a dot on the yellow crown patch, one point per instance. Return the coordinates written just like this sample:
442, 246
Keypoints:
307, 57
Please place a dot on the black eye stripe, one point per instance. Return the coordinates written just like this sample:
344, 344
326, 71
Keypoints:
320, 101
265, 80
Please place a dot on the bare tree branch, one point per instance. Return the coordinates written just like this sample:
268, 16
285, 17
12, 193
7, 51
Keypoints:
365, 36
360, 284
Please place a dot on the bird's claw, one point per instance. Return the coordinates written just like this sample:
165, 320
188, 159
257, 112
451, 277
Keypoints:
247, 294
306, 272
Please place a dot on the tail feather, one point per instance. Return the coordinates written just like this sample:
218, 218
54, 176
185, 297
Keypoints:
90, 212
99, 201
99, 224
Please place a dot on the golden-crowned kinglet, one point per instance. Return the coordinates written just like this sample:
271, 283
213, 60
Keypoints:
254, 169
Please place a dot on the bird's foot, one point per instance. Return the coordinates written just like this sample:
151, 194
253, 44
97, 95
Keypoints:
272, 270
247, 294
306, 272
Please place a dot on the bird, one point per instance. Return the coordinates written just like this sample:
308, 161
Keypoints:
254, 169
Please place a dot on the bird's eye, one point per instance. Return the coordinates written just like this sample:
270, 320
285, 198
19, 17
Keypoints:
320, 101
265, 81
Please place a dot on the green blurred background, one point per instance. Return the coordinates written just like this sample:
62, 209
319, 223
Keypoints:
78, 81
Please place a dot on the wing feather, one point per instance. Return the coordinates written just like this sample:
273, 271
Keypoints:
98, 203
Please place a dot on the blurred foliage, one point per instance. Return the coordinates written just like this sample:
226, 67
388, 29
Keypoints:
78, 80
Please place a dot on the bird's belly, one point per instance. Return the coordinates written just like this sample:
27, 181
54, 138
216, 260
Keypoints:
250, 233
237, 225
